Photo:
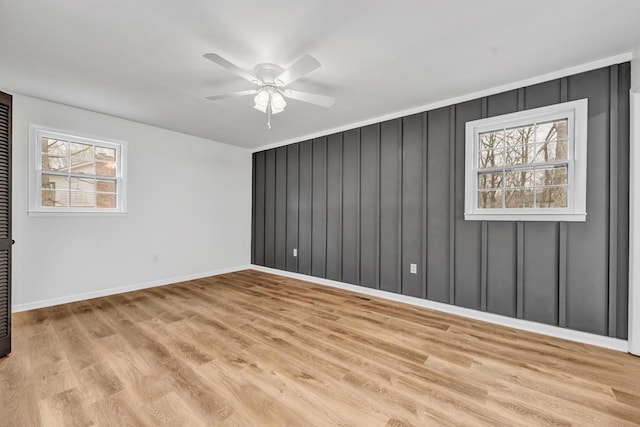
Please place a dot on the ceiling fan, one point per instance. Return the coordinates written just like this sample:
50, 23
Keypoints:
271, 81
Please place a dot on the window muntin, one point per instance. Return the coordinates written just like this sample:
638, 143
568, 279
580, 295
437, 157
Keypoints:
522, 166
77, 174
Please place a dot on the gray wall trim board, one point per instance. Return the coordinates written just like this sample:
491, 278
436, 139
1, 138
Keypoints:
400, 201
562, 275
425, 198
613, 200
484, 262
253, 209
452, 205
520, 241
373, 200
378, 201
623, 183
562, 244
633, 236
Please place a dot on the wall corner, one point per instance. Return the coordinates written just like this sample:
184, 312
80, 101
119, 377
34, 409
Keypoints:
634, 220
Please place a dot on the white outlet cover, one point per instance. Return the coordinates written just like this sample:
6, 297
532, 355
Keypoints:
413, 268
295, 252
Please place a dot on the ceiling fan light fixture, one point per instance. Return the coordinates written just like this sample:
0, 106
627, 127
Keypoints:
266, 96
261, 100
277, 102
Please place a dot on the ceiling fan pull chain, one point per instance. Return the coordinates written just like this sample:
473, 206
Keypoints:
269, 113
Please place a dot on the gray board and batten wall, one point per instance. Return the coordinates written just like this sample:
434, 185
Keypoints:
361, 205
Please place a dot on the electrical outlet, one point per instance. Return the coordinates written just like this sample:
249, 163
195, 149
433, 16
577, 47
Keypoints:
295, 252
413, 268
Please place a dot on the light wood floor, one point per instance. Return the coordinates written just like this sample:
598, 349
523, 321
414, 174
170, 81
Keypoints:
254, 349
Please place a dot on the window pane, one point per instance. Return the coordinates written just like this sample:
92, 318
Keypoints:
490, 199
519, 155
551, 197
551, 176
521, 178
103, 153
54, 147
78, 150
83, 184
52, 163
491, 140
55, 198
106, 168
55, 182
81, 158
105, 200
521, 198
519, 136
105, 186
491, 158
550, 151
552, 131
490, 180
86, 168
82, 200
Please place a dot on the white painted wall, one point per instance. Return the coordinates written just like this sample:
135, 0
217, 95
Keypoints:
634, 206
189, 202
635, 70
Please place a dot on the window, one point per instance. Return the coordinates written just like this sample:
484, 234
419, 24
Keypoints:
528, 166
76, 174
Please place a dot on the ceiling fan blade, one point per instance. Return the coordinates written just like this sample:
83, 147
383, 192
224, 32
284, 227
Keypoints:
213, 57
301, 67
311, 98
232, 95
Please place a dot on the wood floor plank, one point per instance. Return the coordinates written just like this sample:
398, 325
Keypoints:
255, 349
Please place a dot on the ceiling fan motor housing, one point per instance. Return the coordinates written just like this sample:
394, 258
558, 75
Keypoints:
267, 72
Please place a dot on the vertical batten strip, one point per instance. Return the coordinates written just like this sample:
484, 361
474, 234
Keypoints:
312, 143
634, 231
562, 274
378, 203
520, 242
359, 209
400, 200
253, 208
341, 204
484, 263
326, 205
264, 209
286, 200
275, 202
484, 243
562, 241
425, 190
613, 200
452, 205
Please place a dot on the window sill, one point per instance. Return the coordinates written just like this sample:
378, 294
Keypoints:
75, 214
537, 217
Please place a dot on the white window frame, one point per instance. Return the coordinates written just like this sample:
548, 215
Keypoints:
36, 133
576, 112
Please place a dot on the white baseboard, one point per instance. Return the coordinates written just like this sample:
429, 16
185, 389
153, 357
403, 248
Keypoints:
525, 325
118, 290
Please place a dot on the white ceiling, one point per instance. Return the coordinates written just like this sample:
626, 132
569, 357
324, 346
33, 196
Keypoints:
142, 59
